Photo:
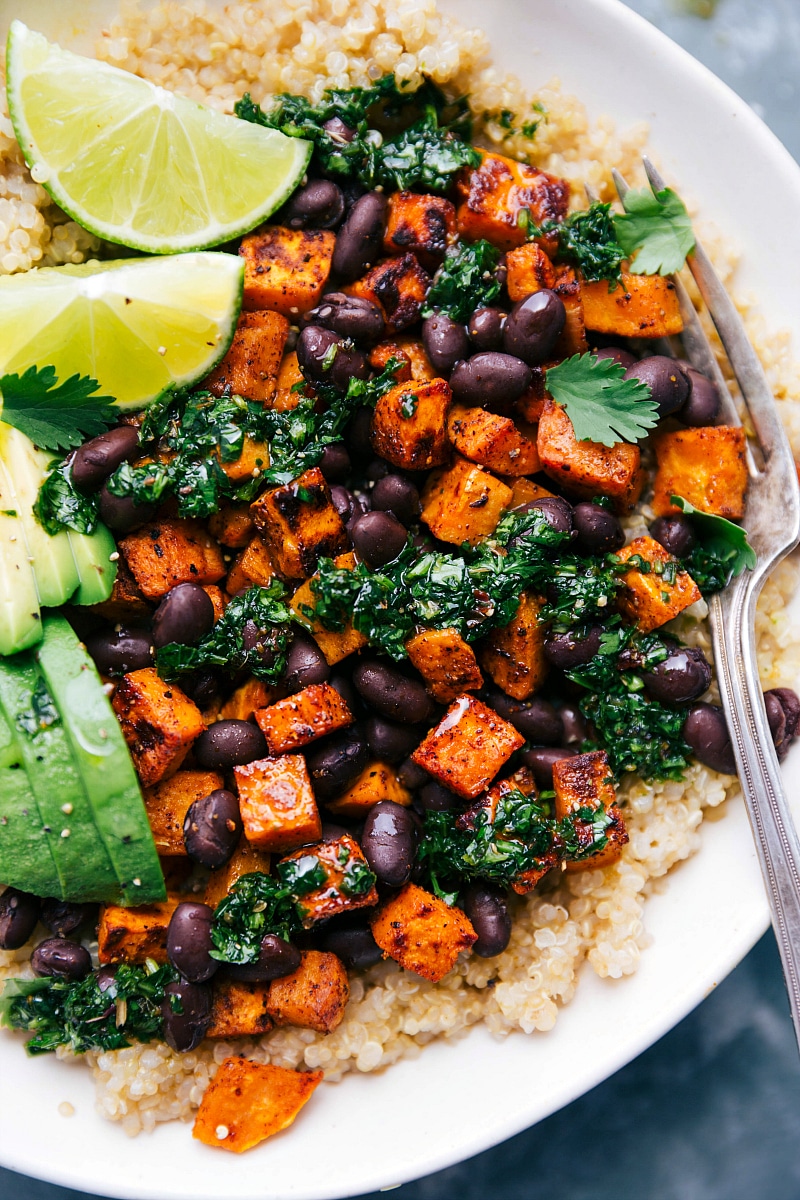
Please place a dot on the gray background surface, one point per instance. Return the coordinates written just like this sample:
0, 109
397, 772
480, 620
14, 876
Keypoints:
712, 1111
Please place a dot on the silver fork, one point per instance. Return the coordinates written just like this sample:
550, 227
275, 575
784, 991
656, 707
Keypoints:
772, 521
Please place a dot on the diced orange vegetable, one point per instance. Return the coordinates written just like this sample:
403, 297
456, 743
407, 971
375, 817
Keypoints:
126, 602
253, 459
513, 655
468, 747
653, 597
245, 860
446, 662
410, 352
247, 1102
529, 270
167, 804
250, 368
239, 1010
158, 722
495, 193
311, 713
278, 808
524, 490
706, 466
463, 503
285, 397
232, 525
253, 566
337, 858
314, 997
398, 286
381, 355
335, 646
217, 598
165, 553
422, 933
286, 270
300, 524
588, 469
244, 702
493, 441
422, 224
132, 935
569, 291
409, 426
531, 404
376, 782
521, 781
585, 781
644, 306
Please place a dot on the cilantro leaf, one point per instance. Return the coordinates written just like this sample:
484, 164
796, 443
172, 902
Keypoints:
721, 538
602, 405
55, 416
656, 228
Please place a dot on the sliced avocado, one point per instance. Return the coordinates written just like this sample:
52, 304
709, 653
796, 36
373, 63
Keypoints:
103, 761
51, 556
20, 618
97, 569
26, 860
84, 868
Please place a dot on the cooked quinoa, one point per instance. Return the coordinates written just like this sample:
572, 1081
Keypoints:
597, 916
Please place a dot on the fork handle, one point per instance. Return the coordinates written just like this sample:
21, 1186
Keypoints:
777, 843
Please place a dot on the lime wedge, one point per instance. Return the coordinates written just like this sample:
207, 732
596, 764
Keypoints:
136, 164
137, 326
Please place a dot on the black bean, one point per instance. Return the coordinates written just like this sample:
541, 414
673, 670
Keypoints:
346, 504
669, 383
704, 403
446, 342
390, 742
359, 435
623, 357
186, 1013
486, 327
336, 128
94, 461
336, 761
305, 664
212, 828
62, 917
537, 720
201, 686
556, 511
790, 703
348, 364
359, 241
318, 205
276, 958
316, 350
355, 947
490, 378
121, 514
391, 693
117, 651
541, 762
411, 775
331, 832
534, 326
377, 537
488, 912
106, 977
776, 718
227, 744
574, 724
349, 316
569, 650
396, 494
388, 842
189, 941
377, 469
185, 615
19, 912
435, 798
335, 463
341, 684
675, 534
682, 677
61, 958
706, 731
599, 531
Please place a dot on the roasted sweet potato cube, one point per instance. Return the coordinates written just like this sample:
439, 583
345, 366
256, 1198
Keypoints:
422, 933
132, 935
314, 997
398, 286
376, 782
525, 490
588, 469
158, 722
300, 524
239, 1010
168, 802
706, 466
531, 404
311, 713
463, 503
468, 747
253, 459
278, 808
422, 224
253, 566
446, 662
495, 193
247, 1102
513, 655
521, 781
529, 270
126, 602
334, 645
165, 553
568, 288
245, 860
232, 525
585, 781
344, 881
656, 589
250, 368
285, 397
285, 270
644, 306
409, 426
381, 355
246, 700
410, 352
493, 441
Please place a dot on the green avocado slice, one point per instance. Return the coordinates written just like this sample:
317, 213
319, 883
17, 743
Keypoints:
103, 762
26, 860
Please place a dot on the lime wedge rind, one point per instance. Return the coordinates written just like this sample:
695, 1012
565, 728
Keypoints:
224, 176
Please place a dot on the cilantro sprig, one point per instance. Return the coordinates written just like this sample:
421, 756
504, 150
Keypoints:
655, 231
602, 405
55, 416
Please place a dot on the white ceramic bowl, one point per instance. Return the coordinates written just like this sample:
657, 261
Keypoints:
374, 1131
